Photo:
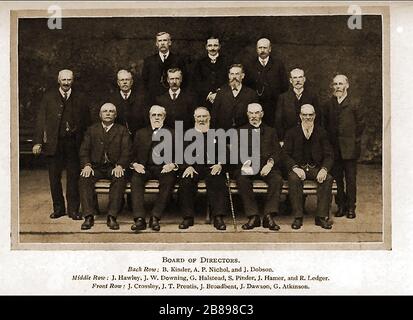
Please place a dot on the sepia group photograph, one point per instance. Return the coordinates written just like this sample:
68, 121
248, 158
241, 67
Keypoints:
181, 126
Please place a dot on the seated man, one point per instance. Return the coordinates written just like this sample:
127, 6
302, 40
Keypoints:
270, 156
208, 169
144, 168
308, 155
104, 153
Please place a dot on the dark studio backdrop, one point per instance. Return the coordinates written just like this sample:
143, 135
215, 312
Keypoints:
96, 48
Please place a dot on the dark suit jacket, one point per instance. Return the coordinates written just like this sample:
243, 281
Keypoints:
118, 146
229, 112
288, 110
142, 145
209, 77
345, 125
269, 144
182, 108
154, 75
268, 82
49, 117
321, 150
132, 113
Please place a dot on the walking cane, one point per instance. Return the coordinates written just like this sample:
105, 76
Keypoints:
231, 203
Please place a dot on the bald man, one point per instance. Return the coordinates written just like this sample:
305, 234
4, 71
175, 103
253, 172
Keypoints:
144, 167
267, 76
61, 122
344, 123
270, 156
104, 154
309, 156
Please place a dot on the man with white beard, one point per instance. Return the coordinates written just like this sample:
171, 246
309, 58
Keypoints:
309, 156
344, 124
208, 168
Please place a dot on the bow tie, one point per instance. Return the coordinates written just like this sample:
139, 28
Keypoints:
234, 89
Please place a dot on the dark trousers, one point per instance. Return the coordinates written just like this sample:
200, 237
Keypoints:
217, 192
166, 186
295, 191
345, 170
116, 191
66, 156
245, 188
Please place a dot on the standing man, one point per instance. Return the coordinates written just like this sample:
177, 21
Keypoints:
309, 156
345, 124
267, 76
289, 104
155, 67
270, 158
144, 169
62, 119
209, 170
231, 102
130, 108
104, 154
178, 103
210, 73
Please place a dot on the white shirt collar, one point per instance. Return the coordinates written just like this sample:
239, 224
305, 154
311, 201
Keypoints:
213, 57
155, 129
298, 92
127, 94
265, 61
69, 92
163, 54
340, 100
177, 92
235, 93
109, 126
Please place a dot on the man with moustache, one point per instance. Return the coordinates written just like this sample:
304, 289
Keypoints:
210, 72
155, 67
270, 156
210, 170
104, 154
267, 76
144, 168
62, 119
130, 108
344, 123
289, 104
230, 105
178, 103
309, 156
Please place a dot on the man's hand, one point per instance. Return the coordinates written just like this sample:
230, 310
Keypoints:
215, 169
211, 97
246, 168
300, 173
118, 171
189, 172
86, 171
168, 168
139, 168
321, 175
266, 169
37, 148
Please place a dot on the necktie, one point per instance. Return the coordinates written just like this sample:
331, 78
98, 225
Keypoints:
65, 96
263, 63
106, 129
125, 96
173, 96
164, 57
213, 60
